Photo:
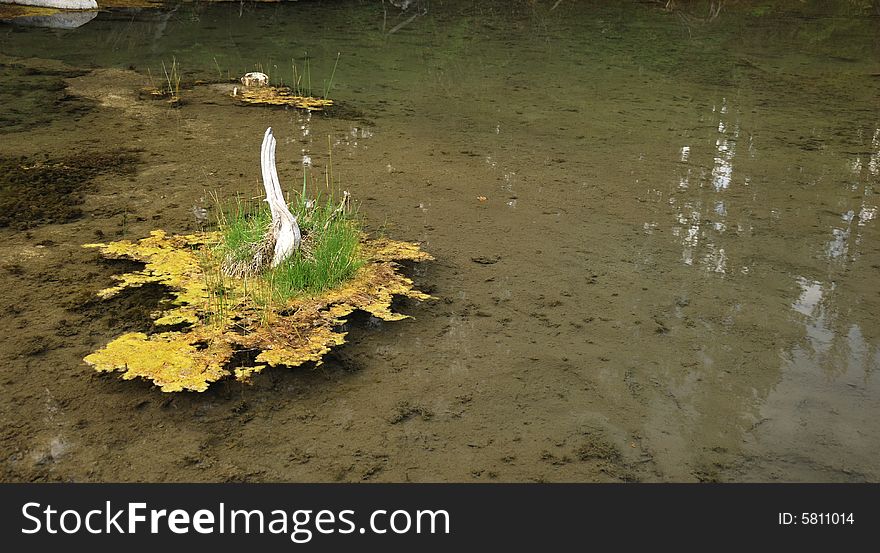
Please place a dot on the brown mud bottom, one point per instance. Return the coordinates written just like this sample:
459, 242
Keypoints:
368, 413
43, 190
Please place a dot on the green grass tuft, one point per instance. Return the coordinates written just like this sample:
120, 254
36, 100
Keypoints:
243, 224
327, 257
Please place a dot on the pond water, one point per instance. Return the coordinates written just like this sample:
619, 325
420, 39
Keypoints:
655, 230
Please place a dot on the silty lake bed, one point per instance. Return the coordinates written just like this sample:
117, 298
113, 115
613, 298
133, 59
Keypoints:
654, 224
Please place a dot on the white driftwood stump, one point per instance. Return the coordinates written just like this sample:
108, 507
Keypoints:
284, 230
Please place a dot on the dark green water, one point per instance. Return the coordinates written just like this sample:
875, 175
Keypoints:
673, 275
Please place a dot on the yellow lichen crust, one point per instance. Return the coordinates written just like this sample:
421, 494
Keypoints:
172, 261
175, 361
220, 316
281, 96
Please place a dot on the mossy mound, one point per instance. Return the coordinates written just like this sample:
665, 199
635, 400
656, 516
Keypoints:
222, 317
281, 96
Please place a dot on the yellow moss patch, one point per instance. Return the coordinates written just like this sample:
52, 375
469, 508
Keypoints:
171, 261
281, 96
385, 249
222, 316
244, 373
174, 361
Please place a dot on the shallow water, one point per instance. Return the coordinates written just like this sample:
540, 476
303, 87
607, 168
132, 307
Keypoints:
672, 277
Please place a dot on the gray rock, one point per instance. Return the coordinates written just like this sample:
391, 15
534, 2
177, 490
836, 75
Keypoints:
63, 4
60, 20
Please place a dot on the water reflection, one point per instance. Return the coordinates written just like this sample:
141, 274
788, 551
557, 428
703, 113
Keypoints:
700, 220
692, 13
819, 336
832, 344
407, 12
850, 229
786, 242
61, 20
834, 327
702, 202
744, 222
346, 143
509, 181
725, 148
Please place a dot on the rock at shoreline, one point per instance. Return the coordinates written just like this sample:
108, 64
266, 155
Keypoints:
61, 4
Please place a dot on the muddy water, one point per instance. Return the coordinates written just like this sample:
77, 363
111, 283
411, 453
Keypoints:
672, 276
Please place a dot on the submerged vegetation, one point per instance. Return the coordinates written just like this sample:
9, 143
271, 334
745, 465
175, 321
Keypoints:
172, 78
39, 191
169, 88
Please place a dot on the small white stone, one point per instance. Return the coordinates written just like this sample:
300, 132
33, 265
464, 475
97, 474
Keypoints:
255, 78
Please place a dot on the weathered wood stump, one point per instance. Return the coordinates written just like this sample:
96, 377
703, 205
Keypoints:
284, 231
